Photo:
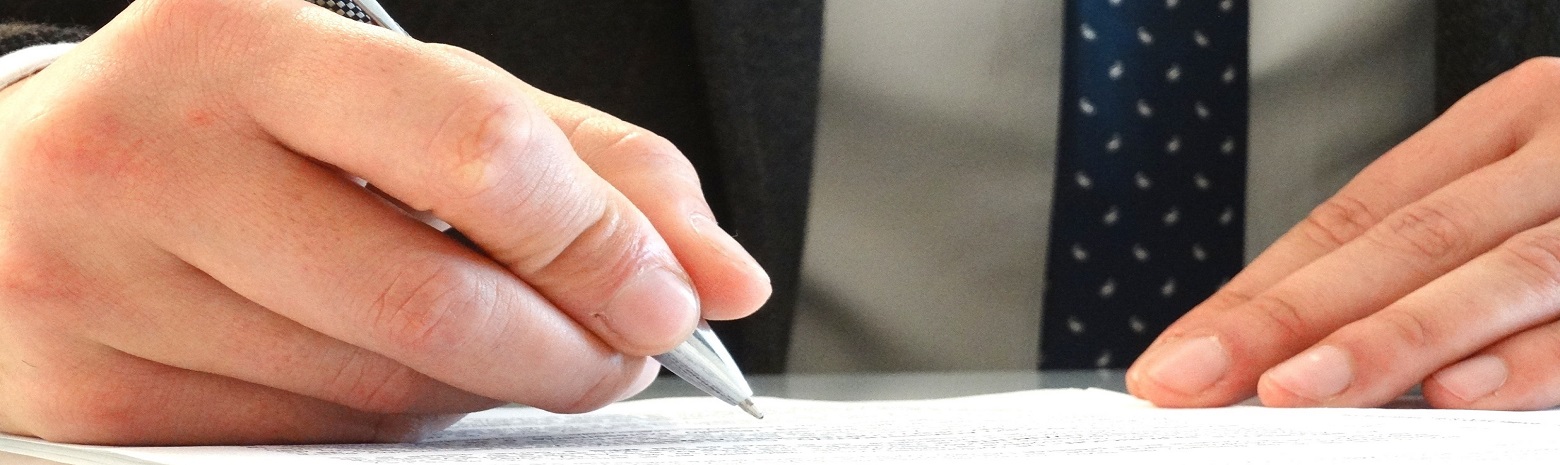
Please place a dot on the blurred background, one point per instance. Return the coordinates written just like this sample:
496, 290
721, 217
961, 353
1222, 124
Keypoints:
936, 144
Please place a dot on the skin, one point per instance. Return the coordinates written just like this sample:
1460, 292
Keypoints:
1438, 264
185, 258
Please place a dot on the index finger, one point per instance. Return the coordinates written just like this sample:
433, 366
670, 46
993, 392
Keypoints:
444, 135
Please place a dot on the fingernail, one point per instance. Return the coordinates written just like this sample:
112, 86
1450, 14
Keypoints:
726, 245
652, 309
1318, 374
1190, 366
1474, 378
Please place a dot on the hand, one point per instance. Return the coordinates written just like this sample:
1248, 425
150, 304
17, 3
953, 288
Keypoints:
184, 258
1439, 263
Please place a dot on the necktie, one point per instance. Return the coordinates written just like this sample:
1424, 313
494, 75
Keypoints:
1148, 218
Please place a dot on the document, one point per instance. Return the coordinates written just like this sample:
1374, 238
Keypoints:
1041, 426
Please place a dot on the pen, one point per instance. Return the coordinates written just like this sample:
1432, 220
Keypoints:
701, 360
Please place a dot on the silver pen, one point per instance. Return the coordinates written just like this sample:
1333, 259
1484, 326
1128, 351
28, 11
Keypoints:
701, 360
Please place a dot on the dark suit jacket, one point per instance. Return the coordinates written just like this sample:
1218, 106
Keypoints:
734, 84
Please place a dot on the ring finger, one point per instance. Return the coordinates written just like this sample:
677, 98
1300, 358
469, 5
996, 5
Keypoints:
190, 321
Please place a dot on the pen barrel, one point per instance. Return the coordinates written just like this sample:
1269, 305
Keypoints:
704, 362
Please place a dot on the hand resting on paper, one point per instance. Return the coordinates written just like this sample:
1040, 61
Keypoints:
1439, 263
185, 258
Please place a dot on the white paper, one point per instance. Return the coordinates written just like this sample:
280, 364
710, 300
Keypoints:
1062, 426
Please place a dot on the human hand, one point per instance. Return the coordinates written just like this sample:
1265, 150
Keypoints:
186, 260
1439, 263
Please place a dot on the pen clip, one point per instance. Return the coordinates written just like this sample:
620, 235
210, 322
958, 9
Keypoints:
378, 15
363, 11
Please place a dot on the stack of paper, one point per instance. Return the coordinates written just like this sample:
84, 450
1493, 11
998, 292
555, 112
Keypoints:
1060, 426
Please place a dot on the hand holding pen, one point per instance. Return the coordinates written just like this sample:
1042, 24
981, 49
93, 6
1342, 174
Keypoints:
192, 266
701, 360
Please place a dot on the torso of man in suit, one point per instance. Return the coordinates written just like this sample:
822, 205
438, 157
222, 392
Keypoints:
954, 124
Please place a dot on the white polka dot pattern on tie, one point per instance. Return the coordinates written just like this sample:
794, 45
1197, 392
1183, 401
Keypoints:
1199, 253
1083, 180
1201, 181
1108, 288
1136, 324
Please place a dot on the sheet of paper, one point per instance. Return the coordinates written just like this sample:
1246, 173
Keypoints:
1072, 426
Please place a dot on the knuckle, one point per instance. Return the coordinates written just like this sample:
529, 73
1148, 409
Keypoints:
73, 149
1539, 74
654, 154
1404, 327
204, 28
170, 14
609, 249
633, 148
1282, 315
1424, 230
1338, 220
1534, 73
1226, 297
469, 56
1535, 255
469, 147
30, 280
25, 277
428, 310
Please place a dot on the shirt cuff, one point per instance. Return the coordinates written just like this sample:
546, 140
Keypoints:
20, 64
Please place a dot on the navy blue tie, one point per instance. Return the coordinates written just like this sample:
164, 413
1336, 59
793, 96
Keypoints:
1149, 209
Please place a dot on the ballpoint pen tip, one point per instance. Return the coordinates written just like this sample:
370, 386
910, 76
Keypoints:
747, 406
